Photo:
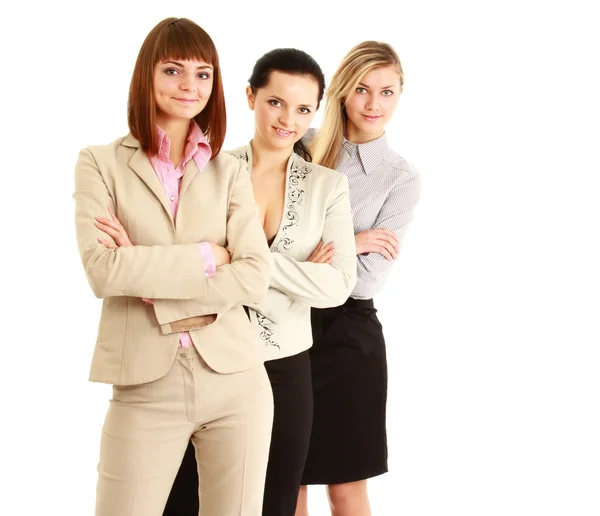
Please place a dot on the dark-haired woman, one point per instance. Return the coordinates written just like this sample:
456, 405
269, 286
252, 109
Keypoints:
305, 213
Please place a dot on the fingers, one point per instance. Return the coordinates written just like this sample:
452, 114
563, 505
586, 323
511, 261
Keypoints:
391, 250
383, 251
325, 258
386, 232
109, 230
315, 252
108, 243
110, 223
113, 228
323, 253
381, 246
114, 217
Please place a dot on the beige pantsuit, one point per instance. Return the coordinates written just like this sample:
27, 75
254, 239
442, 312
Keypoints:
148, 427
217, 392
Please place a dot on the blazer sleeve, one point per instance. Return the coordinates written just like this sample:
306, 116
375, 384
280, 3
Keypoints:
172, 272
316, 284
242, 282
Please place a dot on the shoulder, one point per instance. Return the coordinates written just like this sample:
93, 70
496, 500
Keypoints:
321, 177
239, 153
318, 173
395, 165
109, 151
228, 165
308, 136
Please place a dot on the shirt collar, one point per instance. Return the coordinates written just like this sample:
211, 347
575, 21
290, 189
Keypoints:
197, 146
371, 153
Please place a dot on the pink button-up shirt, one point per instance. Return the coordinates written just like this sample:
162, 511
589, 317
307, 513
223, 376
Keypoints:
198, 149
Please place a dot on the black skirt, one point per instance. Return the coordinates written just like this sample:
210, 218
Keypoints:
349, 375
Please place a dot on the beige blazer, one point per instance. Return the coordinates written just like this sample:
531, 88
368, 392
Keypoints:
136, 342
317, 206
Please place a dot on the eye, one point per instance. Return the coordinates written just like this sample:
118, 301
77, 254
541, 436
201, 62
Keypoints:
204, 76
304, 111
275, 103
387, 93
171, 71
361, 90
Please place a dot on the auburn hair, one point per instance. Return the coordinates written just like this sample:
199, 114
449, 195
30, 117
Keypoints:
174, 39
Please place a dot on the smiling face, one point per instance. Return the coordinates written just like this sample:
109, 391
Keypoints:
283, 109
372, 104
181, 89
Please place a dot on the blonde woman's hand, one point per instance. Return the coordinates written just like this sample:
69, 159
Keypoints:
382, 241
322, 253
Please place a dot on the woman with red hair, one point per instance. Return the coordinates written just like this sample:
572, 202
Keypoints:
169, 237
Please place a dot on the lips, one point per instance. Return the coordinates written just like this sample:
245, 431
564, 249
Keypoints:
282, 132
372, 118
186, 101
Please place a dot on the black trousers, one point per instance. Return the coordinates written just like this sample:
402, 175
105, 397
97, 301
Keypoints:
293, 412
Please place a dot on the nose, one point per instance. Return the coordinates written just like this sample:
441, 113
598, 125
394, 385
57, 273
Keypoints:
187, 82
286, 118
372, 103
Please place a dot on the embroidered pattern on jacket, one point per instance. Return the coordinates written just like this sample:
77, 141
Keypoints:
295, 197
266, 330
241, 155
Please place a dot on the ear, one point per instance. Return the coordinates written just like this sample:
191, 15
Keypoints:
251, 98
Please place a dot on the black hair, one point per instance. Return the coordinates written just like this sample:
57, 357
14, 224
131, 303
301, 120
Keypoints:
292, 61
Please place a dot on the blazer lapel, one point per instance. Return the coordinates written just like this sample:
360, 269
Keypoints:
191, 169
143, 168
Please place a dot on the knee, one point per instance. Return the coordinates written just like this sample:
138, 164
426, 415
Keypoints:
352, 494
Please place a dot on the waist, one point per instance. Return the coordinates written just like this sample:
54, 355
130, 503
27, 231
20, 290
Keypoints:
358, 303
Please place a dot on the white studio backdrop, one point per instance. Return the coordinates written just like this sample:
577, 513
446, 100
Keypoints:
491, 314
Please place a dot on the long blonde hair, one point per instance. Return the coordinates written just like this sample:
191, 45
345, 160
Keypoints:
364, 57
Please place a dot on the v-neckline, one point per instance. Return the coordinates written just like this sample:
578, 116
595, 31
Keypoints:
284, 208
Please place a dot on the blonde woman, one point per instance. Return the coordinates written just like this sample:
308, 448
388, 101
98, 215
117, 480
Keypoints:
348, 359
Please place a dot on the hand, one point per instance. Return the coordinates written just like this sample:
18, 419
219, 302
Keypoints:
222, 256
322, 253
115, 229
112, 227
382, 241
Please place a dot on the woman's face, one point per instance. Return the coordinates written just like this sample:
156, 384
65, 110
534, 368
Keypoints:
283, 109
372, 104
181, 88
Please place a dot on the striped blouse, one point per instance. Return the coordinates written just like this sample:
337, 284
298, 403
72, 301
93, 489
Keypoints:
384, 190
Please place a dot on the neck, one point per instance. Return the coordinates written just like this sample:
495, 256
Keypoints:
353, 135
267, 157
177, 130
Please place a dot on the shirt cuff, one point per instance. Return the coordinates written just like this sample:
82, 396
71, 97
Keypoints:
208, 258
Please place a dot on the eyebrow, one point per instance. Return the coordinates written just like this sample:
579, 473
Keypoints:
281, 100
383, 88
203, 67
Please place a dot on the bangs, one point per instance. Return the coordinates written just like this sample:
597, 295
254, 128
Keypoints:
185, 41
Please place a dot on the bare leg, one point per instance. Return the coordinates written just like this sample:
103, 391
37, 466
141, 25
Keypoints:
302, 503
351, 499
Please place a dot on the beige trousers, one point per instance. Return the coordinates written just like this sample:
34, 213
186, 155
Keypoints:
148, 426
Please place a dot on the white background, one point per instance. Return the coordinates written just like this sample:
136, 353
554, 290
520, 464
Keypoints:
491, 315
